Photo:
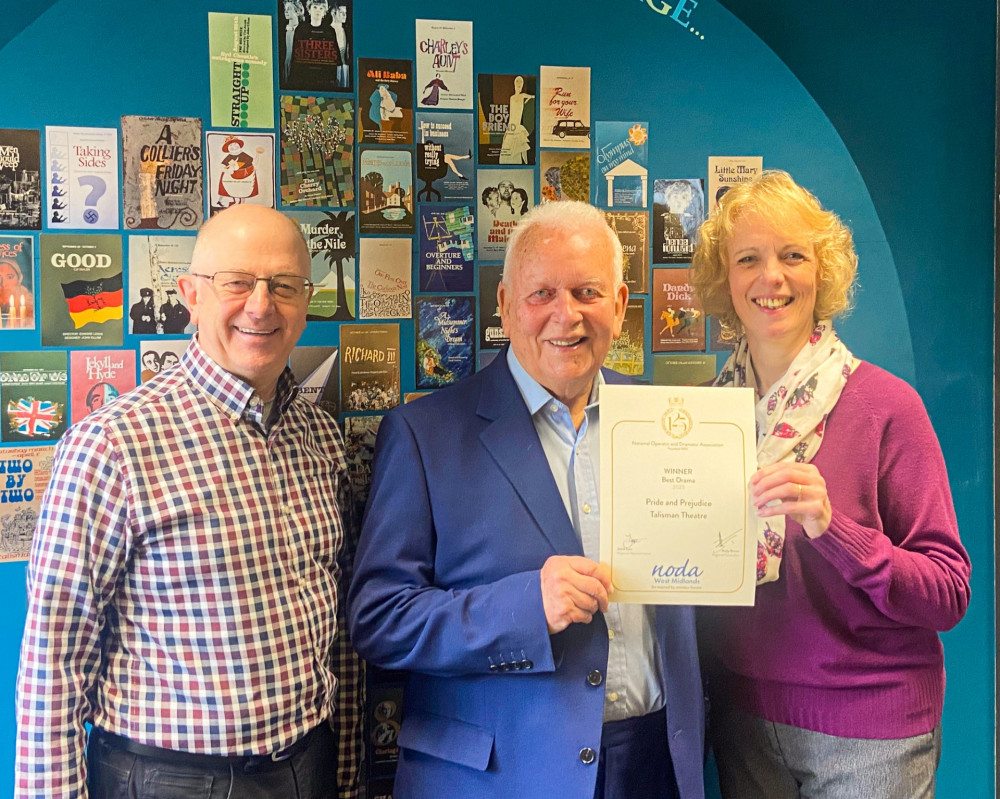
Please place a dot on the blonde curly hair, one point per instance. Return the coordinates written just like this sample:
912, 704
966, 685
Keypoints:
781, 203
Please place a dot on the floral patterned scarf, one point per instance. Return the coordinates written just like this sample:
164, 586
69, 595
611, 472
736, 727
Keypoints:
791, 418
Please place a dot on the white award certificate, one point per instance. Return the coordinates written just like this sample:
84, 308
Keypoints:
677, 526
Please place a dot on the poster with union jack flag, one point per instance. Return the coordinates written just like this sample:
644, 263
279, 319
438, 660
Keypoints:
33, 395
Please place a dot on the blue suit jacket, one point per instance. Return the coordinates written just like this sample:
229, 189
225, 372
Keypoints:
462, 514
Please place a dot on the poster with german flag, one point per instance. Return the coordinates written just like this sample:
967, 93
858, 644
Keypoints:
81, 290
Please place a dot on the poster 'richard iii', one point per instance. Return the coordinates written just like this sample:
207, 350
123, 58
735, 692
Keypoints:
385, 190
332, 247
446, 248
678, 210
369, 367
564, 108
20, 180
446, 340
240, 70
385, 101
444, 64
506, 119
317, 371
17, 297
315, 45
632, 229
81, 290
678, 324
444, 157
621, 150
33, 395
155, 303
505, 195
24, 472
240, 169
162, 173
317, 151
98, 377
82, 178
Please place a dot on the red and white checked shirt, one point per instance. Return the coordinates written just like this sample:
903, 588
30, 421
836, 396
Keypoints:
183, 582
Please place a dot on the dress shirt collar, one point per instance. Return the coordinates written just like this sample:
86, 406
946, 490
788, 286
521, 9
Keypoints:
534, 393
229, 391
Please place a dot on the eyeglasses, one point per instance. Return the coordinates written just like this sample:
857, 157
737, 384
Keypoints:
240, 284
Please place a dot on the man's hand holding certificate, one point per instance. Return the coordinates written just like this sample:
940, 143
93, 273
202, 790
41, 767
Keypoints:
677, 526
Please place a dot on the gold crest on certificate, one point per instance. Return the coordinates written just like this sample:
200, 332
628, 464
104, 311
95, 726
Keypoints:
677, 527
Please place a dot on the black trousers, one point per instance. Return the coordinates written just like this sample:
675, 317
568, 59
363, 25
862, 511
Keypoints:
635, 760
116, 773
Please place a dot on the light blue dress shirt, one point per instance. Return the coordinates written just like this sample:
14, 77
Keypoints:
632, 683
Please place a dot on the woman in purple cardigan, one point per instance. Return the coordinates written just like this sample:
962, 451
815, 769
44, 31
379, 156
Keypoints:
832, 684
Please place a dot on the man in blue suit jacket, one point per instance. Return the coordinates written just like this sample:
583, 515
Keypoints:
477, 568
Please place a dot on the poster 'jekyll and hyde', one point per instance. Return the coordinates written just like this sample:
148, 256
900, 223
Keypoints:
155, 303
315, 43
162, 174
97, 377
678, 211
446, 340
33, 395
240, 70
81, 178
369, 367
444, 64
20, 180
447, 248
332, 247
505, 196
81, 289
385, 101
17, 296
385, 189
24, 476
506, 125
445, 165
621, 150
564, 107
317, 151
240, 169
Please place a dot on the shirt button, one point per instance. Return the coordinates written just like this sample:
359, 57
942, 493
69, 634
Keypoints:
611, 634
587, 755
613, 696
595, 677
586, 508
553, 408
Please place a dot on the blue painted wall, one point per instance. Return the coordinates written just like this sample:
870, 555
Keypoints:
885, 112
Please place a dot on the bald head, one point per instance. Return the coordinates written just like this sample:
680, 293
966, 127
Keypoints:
243, 220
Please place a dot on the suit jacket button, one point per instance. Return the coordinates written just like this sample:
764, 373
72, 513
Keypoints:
595, 677
494, 667
527, 664
587, 755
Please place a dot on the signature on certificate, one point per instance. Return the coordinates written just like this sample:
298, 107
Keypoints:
628, 541
726, 543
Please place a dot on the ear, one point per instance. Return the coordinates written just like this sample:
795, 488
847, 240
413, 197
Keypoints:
502, 300
188, 286
621, 303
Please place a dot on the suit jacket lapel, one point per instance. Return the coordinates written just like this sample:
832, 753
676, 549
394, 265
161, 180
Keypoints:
511, 440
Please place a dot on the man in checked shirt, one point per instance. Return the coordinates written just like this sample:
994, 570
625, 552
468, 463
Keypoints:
186, 582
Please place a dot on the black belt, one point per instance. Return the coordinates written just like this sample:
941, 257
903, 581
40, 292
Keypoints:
245, 763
